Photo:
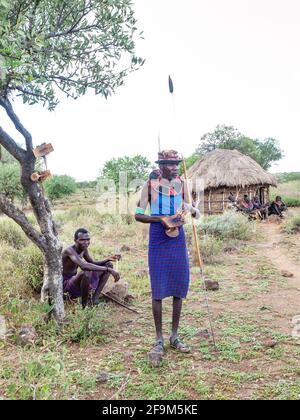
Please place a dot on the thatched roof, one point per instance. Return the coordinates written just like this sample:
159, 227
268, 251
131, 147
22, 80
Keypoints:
229, 168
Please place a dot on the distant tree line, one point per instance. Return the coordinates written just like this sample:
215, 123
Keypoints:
264, 152
57, 187
136, 168
288, 176
86, 185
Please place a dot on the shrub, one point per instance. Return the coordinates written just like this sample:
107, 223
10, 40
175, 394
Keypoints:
229, 225
60, 186
12, 234
293, 225
128, 219
289, 191
211, 248
111, 219
86, 327
89, 216
292, 202
77, 213
10, 184
83, 211
29, 266
220, 234
87, 184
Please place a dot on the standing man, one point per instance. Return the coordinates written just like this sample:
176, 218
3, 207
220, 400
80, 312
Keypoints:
168, 255
93, 275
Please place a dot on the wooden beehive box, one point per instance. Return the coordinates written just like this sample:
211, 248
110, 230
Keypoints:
43, 150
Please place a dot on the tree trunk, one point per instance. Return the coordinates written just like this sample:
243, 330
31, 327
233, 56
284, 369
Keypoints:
53, 283
46, 238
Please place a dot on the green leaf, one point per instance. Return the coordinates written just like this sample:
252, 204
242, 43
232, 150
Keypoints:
46, 47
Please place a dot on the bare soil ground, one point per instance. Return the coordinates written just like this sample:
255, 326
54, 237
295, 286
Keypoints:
256, 356
254, 306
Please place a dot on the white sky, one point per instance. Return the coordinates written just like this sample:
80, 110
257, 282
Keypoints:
232, 62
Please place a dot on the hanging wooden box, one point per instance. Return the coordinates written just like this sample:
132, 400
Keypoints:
40, 176
43, 150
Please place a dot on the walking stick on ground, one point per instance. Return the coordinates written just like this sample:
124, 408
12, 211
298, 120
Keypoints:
119, 303
199, 258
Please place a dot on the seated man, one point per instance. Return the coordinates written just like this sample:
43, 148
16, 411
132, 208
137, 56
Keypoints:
232, 198
262, 209
277, 207
256, 203
233, 203
246, 205
93, 276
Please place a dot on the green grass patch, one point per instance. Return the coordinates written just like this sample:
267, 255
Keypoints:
289, 192
292, 226
29, 265
85, 327
283, 390
11, 234
45, 377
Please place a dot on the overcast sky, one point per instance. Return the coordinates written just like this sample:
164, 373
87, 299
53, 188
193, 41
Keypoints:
232, 62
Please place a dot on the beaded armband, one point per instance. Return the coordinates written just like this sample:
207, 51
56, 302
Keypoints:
139, 210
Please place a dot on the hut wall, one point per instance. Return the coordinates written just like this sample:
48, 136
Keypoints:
266, 194
216, 200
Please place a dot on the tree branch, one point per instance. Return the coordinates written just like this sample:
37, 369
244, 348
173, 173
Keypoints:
28, 93
5, 103
11, 146
72, 31
60, 16
85, 11
8, 208
33, 17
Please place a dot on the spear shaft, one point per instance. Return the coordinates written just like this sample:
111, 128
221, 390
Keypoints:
197, 243
199, 257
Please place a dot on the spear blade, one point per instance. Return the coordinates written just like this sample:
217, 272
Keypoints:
171, 85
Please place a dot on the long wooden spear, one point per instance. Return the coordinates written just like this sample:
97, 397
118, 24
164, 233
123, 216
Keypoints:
198, 252
197, 243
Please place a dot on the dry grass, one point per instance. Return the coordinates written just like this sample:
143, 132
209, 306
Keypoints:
254, 304
289, 191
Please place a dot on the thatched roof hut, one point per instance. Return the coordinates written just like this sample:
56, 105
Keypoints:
224, 172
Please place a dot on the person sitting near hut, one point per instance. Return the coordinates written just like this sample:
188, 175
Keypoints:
94, 275
261, 209
231, 198
246, 205
277, 207
256, 203
232, 202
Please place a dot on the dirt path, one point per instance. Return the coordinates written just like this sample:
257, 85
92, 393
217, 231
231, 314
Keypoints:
274, 250
284, 301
